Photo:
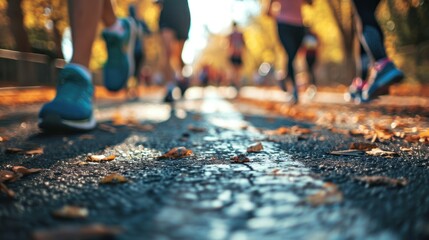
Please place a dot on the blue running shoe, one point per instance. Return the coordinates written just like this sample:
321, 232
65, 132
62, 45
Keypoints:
386, 74
71, 109
120, 50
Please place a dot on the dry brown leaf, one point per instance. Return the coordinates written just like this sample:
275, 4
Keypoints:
107, 128
381, 153
100, 158
14, 150
340, 131
177, 152
6, 176
278, 131
348, 152
34, 151
3, 139
330, 194
356, 132
193, 128
240, 159
405, 149
6, 190
383, 181
412, 138
80, 163
255, 148
118, 119
384, 134
362, 146
25, 171
94, 231
86, 137
299, 130
70, 212
424, 133
144, 127
114, 178
22, 151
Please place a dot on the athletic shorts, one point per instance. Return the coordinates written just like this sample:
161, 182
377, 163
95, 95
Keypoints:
175, 15
236, 60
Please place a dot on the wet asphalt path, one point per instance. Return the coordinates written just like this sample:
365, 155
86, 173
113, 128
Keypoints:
206, 196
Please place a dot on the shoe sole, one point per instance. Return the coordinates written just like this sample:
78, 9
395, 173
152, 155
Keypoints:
53, 122
129, 50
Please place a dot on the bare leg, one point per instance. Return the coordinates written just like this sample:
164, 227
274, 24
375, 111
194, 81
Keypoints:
84, 17
168, 40
108, 15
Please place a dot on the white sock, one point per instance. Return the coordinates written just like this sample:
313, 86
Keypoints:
81, 69
116, 27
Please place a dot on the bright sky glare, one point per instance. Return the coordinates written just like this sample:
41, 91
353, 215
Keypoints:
215, 16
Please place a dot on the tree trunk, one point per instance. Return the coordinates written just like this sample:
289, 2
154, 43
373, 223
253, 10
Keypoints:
57, 39
344, 18
16, 18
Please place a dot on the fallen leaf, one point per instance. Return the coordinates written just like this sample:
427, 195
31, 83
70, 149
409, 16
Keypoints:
80, 163
240, 159
114, 178
107, 128
382, 180
193, 128
70, 212
278, 131
362, 146
14, 150
100, 158
340, 131
25, 171
299, 130
6, 190
330, 194
94, 231
144, 127
255, 148
6, 176
177, 152
348, 152
22, 151
118, 119
86, 137
34, 151
3, 139
424, 133
356, 132
381, 153
404, 149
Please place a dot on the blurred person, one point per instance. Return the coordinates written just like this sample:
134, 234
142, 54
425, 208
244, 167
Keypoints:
72, 107
291, 31
310, 46
139, 54
382, 72
174, 25
204, 75
236, 49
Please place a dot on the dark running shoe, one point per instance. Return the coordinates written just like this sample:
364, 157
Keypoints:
385, 75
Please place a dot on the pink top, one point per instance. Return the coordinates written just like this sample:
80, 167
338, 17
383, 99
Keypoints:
290, 12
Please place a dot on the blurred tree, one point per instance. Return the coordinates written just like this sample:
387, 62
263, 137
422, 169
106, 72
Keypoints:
344, 18
14, 11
